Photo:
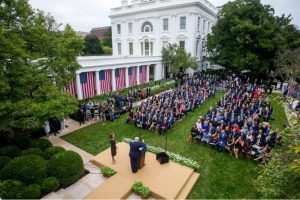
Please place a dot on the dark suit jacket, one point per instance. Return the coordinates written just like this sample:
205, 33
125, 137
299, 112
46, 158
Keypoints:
134, 149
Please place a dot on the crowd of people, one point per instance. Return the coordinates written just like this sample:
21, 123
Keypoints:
160, 112
239, 123
113, 107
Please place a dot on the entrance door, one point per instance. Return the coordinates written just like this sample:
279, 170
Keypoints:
151, 72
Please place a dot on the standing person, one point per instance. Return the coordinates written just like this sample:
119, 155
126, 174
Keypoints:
47, 128
148, 91
81, 115
134, 154
113, 147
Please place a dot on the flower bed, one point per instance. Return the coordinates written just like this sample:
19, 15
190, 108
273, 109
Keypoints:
173, 156
140, 189
107, 172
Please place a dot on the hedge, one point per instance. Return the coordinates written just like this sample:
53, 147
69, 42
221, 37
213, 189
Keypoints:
11, 189
4, 160
10, 151
50, 184
32, 192
32, 151
51, 151
67, 167
28, 169
22, 142
42, 144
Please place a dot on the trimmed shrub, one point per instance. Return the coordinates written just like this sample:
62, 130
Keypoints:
3, 161
66, 166
11, 189
10, 151
32, 192
51, 151
28, 169
32, 151
22, 142
50, 184
42, 144
107, 172
3, 140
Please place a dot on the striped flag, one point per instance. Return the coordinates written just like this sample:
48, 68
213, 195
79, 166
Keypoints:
87, 82
105, 81
120, 78
71, 88
132, 76
143, 74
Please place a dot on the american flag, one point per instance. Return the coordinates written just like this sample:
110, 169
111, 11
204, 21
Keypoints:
132, 76
87, 82
105, 80
71, 88
143, 74
120, 78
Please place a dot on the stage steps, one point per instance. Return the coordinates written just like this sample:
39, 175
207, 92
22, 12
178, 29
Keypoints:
116, 187
187, 188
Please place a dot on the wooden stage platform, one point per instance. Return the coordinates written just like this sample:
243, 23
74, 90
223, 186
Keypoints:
167, 181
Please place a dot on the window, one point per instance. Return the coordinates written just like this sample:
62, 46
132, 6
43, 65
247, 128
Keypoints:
119, 29
182, 23
182, 44
208, 27
130, 48
147, 48
204, 21
166, 24
151, 48
130, 27
119, 48
199, 23
147, 27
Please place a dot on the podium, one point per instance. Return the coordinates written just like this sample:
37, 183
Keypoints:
142, 160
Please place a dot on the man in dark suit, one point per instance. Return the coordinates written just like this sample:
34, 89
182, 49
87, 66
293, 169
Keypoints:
135, 154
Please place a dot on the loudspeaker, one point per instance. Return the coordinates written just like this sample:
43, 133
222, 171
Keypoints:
162, 158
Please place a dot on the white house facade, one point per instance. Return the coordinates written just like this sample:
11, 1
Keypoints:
139, 31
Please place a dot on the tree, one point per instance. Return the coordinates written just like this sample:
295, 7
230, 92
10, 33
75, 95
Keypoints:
107, 41
287, 65
92, 46
107, 50
246, 37
281, 177
178, 58
33, 55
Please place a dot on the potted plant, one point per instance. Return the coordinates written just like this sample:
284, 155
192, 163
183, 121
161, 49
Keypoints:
141, 190
107, 172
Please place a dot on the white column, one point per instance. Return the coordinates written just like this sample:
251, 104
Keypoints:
113, 80
147, 73
138, 75
78, 87
98, 88
126, 77
157, 72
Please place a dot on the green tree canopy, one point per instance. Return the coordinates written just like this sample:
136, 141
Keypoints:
33, 55
245, 37
107, 41
178, 58
92, 46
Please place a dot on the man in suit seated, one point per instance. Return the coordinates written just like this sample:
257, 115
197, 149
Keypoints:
135, 154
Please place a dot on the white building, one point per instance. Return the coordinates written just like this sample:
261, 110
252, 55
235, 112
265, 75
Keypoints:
140, 30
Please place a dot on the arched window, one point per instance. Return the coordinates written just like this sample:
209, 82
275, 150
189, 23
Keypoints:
147, 27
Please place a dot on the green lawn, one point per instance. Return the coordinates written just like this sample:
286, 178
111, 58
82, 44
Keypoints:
221, 176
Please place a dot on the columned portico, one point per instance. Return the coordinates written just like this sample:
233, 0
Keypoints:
138, 75
126, 77
157, 71
113, 80
78, 87
98, 88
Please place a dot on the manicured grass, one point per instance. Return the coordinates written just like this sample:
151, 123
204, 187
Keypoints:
221, 176
280, 119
